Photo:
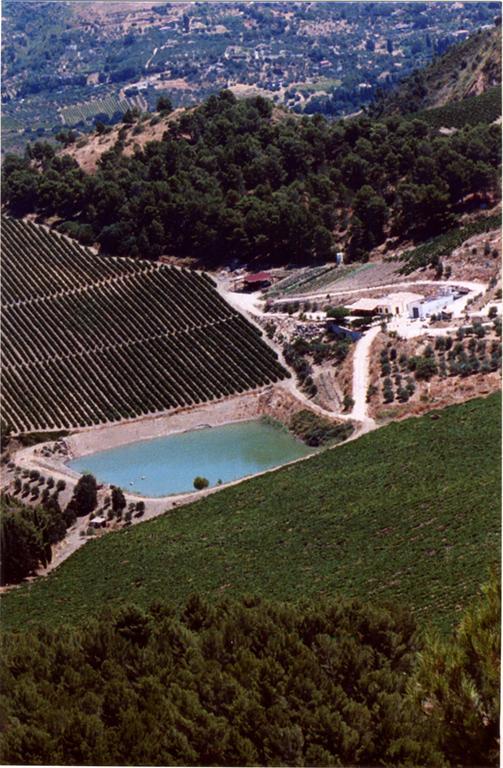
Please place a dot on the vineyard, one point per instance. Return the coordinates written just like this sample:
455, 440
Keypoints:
485, 108
444, 244
109, 106
87, 340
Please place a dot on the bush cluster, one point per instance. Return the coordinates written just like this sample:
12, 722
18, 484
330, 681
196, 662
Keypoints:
316, 430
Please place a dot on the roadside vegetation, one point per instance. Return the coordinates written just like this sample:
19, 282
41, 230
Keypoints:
409, 513
315, 430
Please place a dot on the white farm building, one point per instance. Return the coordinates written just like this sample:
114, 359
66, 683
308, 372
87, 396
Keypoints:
403, 304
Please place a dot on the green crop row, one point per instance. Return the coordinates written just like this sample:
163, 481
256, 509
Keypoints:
88, 340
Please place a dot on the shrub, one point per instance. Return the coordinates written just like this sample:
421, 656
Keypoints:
315, 430
200, 483
424, 367
85, 496
371, 391
348, 402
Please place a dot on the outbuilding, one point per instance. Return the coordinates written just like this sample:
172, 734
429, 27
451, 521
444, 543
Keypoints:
364, 307
98, 522
257, 281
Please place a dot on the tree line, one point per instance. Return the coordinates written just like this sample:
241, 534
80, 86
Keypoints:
28, 533
254, 682
235, 180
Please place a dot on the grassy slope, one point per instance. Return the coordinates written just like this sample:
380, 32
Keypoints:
408, 513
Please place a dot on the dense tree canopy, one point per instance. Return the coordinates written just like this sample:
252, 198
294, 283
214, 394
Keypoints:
233, 180
26, 536
253, 682
241, 683
458, 683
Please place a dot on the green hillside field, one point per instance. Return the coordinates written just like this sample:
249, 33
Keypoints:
409, 513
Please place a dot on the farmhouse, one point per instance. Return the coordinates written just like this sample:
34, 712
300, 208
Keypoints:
393, 304
397, 303
428, 307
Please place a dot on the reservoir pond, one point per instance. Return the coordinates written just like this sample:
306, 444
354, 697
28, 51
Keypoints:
168, 465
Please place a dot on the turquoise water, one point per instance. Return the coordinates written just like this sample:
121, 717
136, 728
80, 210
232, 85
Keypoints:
166, 465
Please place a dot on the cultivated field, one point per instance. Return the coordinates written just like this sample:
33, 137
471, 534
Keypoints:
109, 105
409, 513
88, 340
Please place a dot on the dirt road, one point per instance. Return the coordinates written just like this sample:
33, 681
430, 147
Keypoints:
361, 359
472, 287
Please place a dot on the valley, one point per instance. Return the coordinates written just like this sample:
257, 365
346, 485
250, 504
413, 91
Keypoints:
250, 438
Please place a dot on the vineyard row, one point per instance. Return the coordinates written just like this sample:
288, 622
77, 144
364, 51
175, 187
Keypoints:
36, 263
157, 302
144, 377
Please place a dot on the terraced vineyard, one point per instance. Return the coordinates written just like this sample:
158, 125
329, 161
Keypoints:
88, 340
109, 105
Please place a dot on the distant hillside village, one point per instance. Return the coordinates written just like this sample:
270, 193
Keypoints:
326, 57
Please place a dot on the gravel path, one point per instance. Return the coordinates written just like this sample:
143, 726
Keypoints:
361, 358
